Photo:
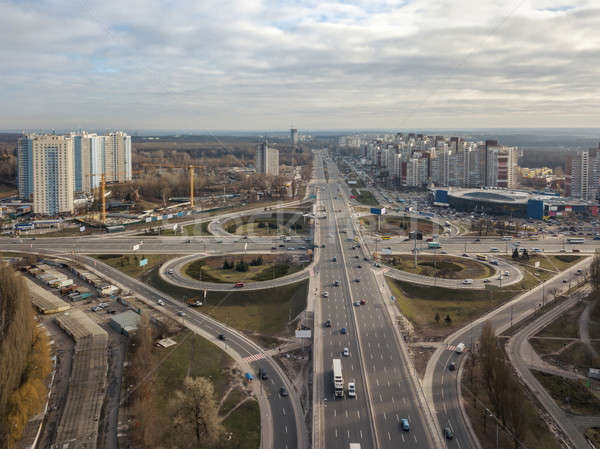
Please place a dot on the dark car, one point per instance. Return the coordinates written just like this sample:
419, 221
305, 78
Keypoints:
328, 323
359, 266
273, 248
365, 258
448, 433
323, 245
283, 392
356, 280
334, 259
343, 331
282, 246
264, 375
452, 366
221, 337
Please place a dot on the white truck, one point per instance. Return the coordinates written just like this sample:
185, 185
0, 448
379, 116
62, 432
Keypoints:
338, 380
354, 445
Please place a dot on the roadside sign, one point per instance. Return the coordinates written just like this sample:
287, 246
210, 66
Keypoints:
143, 262
303, 334
81, 228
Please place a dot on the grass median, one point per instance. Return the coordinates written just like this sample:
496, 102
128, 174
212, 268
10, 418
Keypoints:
443, 266
571, 395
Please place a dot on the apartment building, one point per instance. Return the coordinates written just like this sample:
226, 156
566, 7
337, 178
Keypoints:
583, 179
267, 160
46, 173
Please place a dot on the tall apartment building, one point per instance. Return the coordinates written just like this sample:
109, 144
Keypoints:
584, 175
46, 173
267, 160
500, 162
94, 155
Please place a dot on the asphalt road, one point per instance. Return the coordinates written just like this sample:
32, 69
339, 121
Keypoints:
385, 392
444, 385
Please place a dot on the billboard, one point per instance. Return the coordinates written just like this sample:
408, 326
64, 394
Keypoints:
143, 262
303, 334
378, 211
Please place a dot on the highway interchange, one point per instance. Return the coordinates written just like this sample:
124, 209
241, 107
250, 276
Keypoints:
387, 389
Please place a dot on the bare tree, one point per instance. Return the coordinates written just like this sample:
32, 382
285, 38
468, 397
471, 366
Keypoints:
595, 271
196, 413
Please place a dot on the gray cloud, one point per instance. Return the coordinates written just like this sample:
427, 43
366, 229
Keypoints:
263, 65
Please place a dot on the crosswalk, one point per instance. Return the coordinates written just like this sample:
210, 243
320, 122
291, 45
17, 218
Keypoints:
254, 357
453, 348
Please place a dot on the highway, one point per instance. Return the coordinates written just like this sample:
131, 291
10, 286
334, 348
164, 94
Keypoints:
385, 389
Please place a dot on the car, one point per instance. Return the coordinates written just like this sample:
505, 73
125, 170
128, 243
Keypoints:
160, 302
325, 294
378, 265
444, 252
336, 283
343, 331
363, 302
465, 255
170, 271
404, 424
264, 375
576, 251
221, 337
282, 246
467, 281
365, 259
346, 352
356, 303
323, 245
273, 248
448, 433
351, 390
564, 281
486, 281
494, 250
283, 392
359, 266
328, 323
563, 250
188, 241
181, 313
96, 309
452, 366
356, 257
102, 305
477, 240
334, 259
506, 273
239, 285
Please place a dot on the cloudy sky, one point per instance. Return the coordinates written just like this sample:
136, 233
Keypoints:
263, 65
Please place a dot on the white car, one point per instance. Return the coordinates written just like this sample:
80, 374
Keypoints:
507, 273
351, 390
467, 281
325, 294
102, 305
160, 302
170, 271
346, 352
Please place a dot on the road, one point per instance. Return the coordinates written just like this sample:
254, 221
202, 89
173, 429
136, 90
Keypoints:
385, 389
443, 384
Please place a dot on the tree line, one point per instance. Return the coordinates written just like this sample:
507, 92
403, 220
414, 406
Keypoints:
24, 358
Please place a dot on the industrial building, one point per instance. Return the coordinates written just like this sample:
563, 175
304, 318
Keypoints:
536, 205
126, 323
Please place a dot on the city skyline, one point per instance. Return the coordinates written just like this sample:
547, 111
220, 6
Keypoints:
368, 65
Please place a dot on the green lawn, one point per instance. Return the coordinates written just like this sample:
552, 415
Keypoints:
210, 269
419, 304
244, 424
129, 263
553, 263
442, 266
365, 197
571, 395
566, 325
257, 312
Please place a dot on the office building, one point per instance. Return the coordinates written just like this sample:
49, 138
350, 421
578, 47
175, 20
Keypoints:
267, 160
46, 173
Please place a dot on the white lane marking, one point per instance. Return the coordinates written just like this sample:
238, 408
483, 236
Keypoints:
415, 437
361, 434
377, 382
285, 429
283, 411
336, 433
389, 436
384, 416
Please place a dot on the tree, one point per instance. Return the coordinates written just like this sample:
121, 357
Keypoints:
515, 254
196, 413
448, 320
437, 317
595, 271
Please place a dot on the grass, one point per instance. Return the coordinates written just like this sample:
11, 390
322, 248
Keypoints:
244, 424
570, 395
446, 267
391, 225
545, 347
565, 326
211, 269
553, 263
268, 223
419, 303
129, 263
258, 312
233, 398
365, 197
476, 402
577, 356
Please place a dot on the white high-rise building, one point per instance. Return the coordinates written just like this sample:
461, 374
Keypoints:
46, 173
584, 171
294, 136
267, 160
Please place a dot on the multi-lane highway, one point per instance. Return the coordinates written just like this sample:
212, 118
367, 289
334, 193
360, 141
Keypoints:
386, 391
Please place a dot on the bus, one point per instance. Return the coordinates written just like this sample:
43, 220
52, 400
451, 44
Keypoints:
433, 245
575, 240
482, 257
338, 380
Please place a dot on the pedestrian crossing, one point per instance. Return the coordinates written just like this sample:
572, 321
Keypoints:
254, 357
453, 348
